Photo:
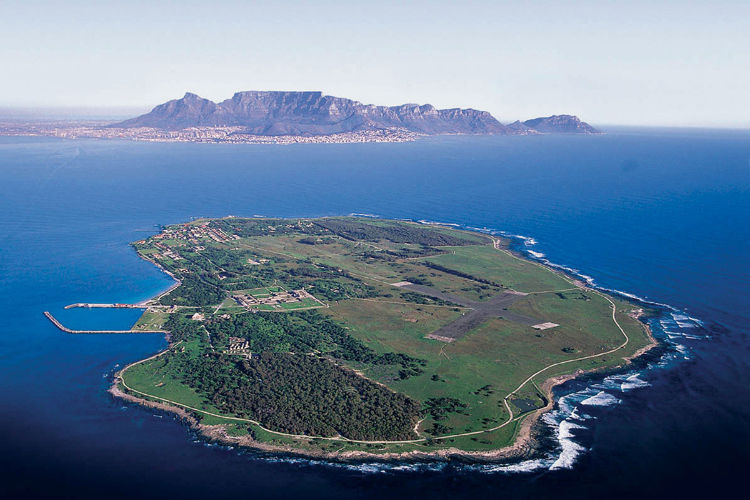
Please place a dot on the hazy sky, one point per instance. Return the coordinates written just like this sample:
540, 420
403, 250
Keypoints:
626, 62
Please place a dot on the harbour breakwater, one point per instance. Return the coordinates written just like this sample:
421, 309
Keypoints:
68, 330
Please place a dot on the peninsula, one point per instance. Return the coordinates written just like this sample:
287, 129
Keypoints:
285, 117
352, 337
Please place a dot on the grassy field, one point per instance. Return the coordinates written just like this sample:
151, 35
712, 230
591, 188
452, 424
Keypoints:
462, 385
486, 262
151, 320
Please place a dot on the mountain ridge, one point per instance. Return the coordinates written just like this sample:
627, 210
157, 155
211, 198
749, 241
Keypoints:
279, 113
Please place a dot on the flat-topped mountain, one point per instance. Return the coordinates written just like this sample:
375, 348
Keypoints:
311, 113
278, 113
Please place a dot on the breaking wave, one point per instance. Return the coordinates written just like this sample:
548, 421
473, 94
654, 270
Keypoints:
601, 399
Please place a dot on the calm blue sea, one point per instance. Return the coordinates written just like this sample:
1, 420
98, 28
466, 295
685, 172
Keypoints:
660, 214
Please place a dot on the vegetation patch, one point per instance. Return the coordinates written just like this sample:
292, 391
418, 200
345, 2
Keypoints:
300, 394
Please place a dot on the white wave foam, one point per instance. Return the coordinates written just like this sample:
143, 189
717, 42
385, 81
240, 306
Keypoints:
566, 404
418, 467
527, 240
570, 449
577, 415
434, 222
601, 399
633, 382
367, 468
520, 467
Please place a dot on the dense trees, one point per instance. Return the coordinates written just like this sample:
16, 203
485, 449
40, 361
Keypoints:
398, 233
419, 298
300, 394
460, 274
183, 329
194, 292
293, 382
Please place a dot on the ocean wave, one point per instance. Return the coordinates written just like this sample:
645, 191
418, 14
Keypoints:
433, 222
601, 399
633, 382
578, 415
524, 466
569, 448
622, 382
527, 240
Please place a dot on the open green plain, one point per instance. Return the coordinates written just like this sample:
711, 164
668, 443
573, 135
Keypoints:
354, 368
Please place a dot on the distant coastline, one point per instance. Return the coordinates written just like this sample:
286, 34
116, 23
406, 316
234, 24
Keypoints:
214, 135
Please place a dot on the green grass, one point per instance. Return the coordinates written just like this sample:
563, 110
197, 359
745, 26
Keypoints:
151, 320
305, 303
498, 266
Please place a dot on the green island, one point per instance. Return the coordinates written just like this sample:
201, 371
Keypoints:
356, 337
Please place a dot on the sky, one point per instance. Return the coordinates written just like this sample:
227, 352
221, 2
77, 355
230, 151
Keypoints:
681, 63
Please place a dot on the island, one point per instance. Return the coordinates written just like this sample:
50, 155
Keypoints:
354, 338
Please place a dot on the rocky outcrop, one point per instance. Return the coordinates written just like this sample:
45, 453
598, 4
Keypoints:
560, 124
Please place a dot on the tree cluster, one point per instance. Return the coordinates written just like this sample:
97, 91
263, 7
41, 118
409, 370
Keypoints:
395, 232
301, 394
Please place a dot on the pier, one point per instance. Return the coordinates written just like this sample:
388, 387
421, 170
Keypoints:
104, 306
68, 330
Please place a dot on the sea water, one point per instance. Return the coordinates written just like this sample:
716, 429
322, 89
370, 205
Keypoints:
658, 215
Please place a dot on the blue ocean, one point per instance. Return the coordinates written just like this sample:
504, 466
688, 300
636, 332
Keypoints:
660, 215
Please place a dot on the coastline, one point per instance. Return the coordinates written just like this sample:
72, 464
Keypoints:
523, 444
147, 302
206, 135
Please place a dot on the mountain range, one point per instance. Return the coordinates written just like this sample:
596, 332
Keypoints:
279, 113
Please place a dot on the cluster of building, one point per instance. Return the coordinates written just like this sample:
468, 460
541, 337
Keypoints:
193, 233
249, 301
232, 135
165, 251
238, 345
